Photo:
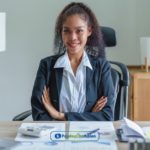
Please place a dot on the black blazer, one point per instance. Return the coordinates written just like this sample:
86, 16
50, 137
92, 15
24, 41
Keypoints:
98, 83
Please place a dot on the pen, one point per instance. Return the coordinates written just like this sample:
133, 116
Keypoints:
93, 131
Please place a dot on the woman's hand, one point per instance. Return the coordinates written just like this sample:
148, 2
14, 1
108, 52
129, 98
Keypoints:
100, 104
49, 107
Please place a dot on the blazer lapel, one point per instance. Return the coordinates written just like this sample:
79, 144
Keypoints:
89, 73
89, 76
59, 74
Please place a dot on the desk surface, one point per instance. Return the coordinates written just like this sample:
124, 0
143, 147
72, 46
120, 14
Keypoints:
8, 129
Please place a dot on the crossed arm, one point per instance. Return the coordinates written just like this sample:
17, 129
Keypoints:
61, 116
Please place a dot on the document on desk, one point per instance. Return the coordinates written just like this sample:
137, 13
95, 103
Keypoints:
44, 143
67, 145
103, 144
43, 138
105, 128
131, 129
39, 146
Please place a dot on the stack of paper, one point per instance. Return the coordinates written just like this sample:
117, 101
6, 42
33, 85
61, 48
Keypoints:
131, 129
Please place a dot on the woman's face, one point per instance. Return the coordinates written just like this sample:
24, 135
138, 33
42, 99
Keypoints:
75, 32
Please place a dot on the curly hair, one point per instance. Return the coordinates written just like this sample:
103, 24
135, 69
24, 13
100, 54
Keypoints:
95, 44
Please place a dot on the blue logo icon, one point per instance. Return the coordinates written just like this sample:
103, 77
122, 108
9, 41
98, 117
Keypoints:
58, 136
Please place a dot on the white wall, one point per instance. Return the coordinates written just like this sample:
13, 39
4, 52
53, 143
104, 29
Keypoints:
30, 27
142, 21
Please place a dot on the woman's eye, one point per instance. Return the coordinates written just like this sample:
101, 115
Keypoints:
79, 31
65, 31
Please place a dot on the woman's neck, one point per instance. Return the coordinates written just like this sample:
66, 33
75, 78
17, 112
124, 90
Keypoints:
75, 60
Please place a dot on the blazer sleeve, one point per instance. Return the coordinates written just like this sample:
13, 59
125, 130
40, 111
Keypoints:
107, 88
38, 110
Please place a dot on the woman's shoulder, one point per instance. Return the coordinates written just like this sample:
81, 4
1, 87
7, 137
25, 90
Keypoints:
98, 60
49, 61
51, 58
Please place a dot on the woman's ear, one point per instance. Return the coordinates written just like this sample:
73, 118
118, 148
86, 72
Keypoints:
89, 30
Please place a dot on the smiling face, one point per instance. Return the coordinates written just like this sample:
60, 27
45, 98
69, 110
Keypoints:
75, 31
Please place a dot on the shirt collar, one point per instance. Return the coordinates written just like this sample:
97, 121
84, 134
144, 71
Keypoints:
85, 60
63, 61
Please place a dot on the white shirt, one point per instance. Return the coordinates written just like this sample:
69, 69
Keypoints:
73, 90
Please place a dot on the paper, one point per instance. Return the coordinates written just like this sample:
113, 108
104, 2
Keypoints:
106, 129
45, 137
44, 143
102, 144
132, 129
39, 146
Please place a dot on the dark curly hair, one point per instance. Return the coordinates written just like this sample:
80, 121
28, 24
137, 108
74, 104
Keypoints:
95, 45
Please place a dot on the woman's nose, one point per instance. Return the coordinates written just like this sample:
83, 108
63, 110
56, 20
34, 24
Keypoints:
73, 36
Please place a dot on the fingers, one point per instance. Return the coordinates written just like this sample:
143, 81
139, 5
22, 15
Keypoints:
99, 108
49, 107
45, 95
43, 100
100, 104
102, 100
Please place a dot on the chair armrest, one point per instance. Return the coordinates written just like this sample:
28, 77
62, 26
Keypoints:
125, 80
22, 116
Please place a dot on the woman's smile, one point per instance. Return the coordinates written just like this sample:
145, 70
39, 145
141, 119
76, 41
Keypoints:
73, 45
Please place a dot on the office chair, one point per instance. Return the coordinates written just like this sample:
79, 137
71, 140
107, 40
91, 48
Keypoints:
120, 77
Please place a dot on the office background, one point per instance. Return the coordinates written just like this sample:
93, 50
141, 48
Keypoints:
29, 37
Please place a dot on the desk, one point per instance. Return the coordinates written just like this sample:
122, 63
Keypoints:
9, 130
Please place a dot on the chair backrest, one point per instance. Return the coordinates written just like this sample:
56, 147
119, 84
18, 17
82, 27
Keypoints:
120, 76
109, 36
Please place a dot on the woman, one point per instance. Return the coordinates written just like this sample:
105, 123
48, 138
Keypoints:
74, 85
